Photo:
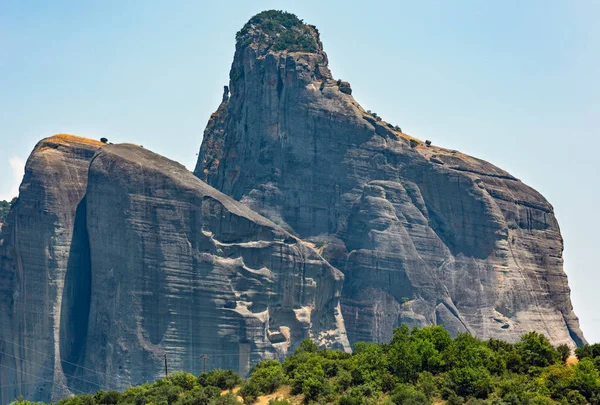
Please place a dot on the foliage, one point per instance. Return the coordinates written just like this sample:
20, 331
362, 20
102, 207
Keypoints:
564, 351
4, 208
279, 30
224, 379
278, 401
417, 367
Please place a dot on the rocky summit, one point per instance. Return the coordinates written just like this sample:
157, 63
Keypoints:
306, 217
423, 235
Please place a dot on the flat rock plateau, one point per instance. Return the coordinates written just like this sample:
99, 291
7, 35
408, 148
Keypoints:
306, 217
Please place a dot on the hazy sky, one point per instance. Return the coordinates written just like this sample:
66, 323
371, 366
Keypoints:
513, 82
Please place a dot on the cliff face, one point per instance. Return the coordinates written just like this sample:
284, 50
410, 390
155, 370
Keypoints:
114, 257
423, 235
37, 247
319, 220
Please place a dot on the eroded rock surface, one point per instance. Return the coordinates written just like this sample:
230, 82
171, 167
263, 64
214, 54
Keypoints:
329, 224
38, 249
114, 257
180, 268
424, 235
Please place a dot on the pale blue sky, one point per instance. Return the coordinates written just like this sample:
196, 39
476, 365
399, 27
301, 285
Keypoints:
513, 82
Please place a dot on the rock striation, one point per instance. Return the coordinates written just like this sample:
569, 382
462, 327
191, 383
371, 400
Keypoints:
114, 257
306, 217
38, 248
423, 235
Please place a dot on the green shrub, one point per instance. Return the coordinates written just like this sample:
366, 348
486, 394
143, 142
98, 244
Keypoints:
107, 398
226, 399
470, 382
249, 392
278, 401
268, 376
536, 350
405, 394
278, 30
184, 380
4, 209
224, 379
312, 388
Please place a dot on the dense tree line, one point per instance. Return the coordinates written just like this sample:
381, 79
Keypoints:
417, 367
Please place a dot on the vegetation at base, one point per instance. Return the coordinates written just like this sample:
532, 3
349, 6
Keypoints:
4, 208
417, 367
279, 30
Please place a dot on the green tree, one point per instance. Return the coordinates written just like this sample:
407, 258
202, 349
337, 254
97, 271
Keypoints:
470, 382
224, 379
536, 350
564, 352
405, 394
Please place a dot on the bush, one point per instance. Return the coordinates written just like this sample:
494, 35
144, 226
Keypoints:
249, 392
591, 351
4, 209
278, 401
470, 382
564, 351
536, 350
278, 30
414, 143
107, 398
312, 388
268, 376
227, 399
343, 380
183, 380
224, 379
426, 384
405, 394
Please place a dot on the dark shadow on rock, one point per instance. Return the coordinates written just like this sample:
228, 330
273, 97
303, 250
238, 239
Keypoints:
76, 300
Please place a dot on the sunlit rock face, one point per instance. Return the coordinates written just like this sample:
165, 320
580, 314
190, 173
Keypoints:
179, 268
114, 257
307, 217
423, 235
39, 249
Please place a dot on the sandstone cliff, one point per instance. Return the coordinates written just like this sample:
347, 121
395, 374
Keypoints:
324, 222
38, 248
114, 256
424, 235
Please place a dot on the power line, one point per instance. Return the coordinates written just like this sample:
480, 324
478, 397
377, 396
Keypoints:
105, 374
52, 369
36, 376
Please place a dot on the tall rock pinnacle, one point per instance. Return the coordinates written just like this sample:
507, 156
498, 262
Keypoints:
319, 220
423, 235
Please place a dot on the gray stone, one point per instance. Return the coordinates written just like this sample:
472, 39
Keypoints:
424, 235
111, 260
37, 254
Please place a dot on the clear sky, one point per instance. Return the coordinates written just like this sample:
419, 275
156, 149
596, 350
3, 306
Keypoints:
513, 82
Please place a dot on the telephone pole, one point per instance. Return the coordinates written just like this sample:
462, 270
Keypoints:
205, 356
166, 368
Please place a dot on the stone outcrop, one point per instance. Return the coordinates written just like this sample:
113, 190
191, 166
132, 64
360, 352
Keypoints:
423, 235
306, 217
37, 251
114, 257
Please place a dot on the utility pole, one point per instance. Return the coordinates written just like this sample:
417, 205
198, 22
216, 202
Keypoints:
205, 356
166, 368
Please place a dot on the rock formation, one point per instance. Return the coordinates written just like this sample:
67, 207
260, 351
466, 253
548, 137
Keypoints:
319, 220
39, 247
114, 257
423, 235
